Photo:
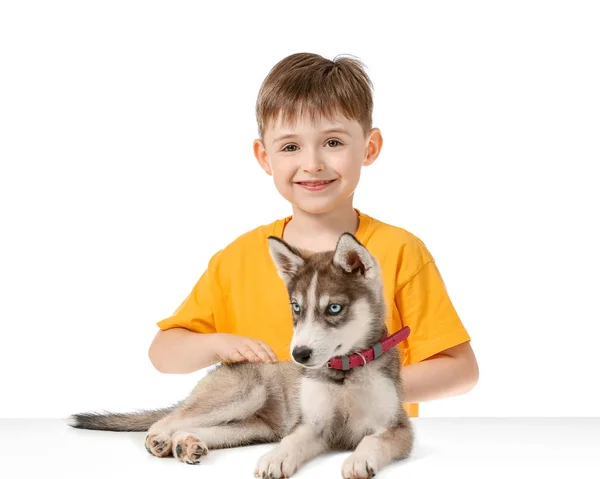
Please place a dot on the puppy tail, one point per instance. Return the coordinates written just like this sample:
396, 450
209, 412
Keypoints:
107, 421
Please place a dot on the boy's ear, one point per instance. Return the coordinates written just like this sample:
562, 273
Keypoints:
287, 259
352, 256
261, 156
374, 144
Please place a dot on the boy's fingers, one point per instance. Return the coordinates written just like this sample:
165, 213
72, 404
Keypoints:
260, 353
269, 352
264, 356
237, 356
249, 354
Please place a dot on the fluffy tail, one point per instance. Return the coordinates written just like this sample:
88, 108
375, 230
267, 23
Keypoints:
107, 421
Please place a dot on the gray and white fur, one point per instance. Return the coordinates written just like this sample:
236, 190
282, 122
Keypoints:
307, 408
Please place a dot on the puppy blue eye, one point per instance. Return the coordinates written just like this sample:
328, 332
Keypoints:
296, 307
334, 308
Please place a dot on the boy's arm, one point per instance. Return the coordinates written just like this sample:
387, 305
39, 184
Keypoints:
187, 339
180, 351
451, 372
439, 361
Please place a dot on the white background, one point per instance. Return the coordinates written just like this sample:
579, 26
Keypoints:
126, 134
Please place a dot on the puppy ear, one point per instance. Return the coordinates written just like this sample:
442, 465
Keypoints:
287, 259
352, 256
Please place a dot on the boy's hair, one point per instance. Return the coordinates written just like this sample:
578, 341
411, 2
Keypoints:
309, 83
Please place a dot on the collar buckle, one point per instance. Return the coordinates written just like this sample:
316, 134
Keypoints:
363, 358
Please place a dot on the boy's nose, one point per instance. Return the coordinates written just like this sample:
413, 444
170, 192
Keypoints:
302, 354
313, 165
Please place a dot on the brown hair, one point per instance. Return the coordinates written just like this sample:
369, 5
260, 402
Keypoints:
307, 82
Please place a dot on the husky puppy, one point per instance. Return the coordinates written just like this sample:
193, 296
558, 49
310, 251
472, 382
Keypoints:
322, 400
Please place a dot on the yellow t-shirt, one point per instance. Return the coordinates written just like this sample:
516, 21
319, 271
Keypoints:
241, 293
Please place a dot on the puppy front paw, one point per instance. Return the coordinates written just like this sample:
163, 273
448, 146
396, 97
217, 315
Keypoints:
279, 463
359, 466
188, 447
158, 444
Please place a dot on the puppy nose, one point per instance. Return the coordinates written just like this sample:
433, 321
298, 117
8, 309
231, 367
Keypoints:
302, 354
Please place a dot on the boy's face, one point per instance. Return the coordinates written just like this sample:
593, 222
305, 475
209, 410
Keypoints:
314, 169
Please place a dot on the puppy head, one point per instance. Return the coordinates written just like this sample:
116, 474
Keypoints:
336, 299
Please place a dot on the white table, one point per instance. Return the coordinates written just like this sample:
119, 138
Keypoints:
482, 448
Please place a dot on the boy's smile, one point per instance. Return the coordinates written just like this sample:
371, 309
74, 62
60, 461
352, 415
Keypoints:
314, 185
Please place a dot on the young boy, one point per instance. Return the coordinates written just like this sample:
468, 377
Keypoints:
315, 135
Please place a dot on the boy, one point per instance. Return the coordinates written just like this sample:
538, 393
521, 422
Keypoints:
315, 135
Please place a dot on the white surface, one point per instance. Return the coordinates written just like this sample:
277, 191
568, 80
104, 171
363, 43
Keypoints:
447, 447
126, 132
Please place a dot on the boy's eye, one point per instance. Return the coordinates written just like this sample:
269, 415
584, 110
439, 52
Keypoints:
334, 308
335, 144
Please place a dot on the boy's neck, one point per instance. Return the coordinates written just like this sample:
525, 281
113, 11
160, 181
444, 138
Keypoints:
320, 232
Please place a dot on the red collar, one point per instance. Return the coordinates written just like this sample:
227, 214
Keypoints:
363, 357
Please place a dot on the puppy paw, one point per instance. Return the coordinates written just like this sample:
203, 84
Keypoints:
278, 463
359, 466
188, 447
158, 444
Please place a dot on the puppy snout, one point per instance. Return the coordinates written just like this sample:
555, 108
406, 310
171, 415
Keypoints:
302, 354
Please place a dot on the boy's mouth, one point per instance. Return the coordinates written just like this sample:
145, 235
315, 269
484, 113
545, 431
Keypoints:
314, 185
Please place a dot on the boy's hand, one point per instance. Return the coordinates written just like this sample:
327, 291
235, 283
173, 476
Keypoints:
231, 347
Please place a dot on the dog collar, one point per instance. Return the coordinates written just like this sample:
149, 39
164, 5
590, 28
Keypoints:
361, 358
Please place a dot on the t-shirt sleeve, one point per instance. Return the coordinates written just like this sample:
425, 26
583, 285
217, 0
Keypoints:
425, 306
196, 312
